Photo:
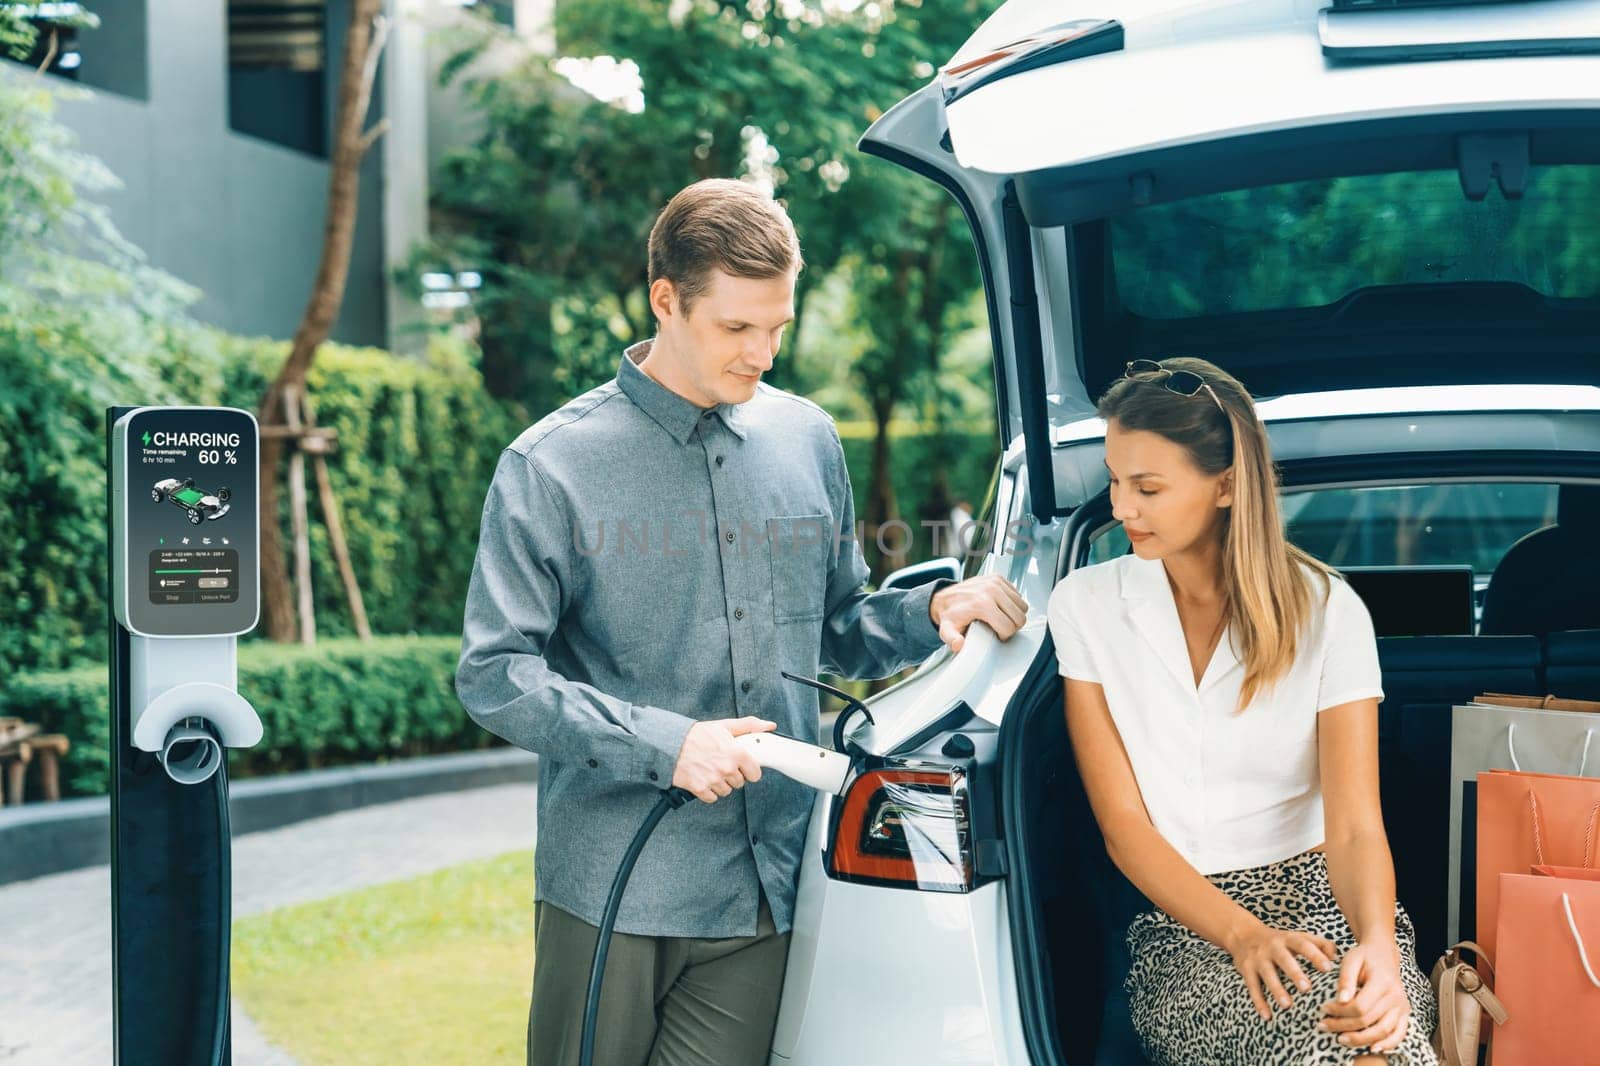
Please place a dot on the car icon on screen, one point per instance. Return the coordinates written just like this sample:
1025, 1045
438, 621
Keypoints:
199, 505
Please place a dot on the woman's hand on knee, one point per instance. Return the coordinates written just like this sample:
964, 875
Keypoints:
1262, 954
1370, 1009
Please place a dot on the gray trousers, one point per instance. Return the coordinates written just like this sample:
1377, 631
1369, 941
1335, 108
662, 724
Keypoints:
666, 1001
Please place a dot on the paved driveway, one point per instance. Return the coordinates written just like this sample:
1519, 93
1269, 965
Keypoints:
55, 932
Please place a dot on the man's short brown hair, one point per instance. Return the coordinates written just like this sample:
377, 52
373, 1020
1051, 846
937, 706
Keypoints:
721, 223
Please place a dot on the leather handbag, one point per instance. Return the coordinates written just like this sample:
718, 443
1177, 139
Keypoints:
1463, 997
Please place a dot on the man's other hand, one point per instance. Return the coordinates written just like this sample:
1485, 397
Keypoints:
990, 599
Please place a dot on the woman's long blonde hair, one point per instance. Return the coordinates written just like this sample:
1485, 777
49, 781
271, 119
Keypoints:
1264, 592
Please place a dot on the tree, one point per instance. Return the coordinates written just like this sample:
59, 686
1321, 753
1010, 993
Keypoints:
61, 255
912, 277
85, 323
556, 199
282, 410
16, 34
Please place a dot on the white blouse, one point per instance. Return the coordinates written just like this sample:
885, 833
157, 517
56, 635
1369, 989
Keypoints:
1228, 791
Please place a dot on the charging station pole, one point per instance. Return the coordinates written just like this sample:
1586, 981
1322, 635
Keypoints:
184, 582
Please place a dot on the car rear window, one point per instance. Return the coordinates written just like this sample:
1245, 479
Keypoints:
1449, 524
1418, 525
1310, 243
1454, 523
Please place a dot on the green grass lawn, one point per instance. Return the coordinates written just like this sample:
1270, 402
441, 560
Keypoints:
433, 970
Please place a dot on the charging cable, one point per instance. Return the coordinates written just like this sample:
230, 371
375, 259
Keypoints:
821, 769
671, 799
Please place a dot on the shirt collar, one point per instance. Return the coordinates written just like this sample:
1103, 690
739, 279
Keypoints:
676, 414
1154, 614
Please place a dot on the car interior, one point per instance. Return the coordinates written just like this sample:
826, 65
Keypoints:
1536, 631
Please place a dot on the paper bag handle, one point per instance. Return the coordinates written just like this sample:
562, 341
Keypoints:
1577, 938
1516, 763
1538, 836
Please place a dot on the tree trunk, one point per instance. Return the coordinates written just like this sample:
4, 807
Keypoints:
882, 507
277, 596
937, 506
362, 46
341, 550
300, 521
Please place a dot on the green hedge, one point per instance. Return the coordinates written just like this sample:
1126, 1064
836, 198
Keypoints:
336, 703
418, 443
52, 533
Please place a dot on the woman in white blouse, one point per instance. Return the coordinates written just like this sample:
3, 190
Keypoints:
1222, 692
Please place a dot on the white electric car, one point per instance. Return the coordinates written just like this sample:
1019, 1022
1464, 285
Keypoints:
1385, 220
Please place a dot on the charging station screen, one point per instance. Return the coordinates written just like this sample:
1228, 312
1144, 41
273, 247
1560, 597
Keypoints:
190, 521
204, 576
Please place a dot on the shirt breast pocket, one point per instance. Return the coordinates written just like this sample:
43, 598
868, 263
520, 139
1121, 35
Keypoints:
799, 546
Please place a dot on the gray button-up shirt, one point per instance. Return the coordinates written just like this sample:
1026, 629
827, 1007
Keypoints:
644, 564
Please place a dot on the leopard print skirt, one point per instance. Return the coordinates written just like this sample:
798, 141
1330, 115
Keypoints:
1190, 1007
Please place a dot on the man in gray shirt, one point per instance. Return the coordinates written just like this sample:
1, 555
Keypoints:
652, 554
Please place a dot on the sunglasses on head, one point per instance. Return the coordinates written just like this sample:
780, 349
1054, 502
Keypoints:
1182, 382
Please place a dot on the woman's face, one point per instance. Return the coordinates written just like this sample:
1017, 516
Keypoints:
1165, 504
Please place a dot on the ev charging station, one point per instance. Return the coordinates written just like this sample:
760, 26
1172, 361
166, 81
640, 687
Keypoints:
184, 582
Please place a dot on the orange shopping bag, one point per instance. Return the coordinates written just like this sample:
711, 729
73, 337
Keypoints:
1577, 873
1526, 819
1549, 936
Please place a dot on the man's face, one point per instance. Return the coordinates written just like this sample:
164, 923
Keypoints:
730, 336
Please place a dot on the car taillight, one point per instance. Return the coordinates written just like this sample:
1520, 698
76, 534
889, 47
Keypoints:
1060, 43
906, 828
